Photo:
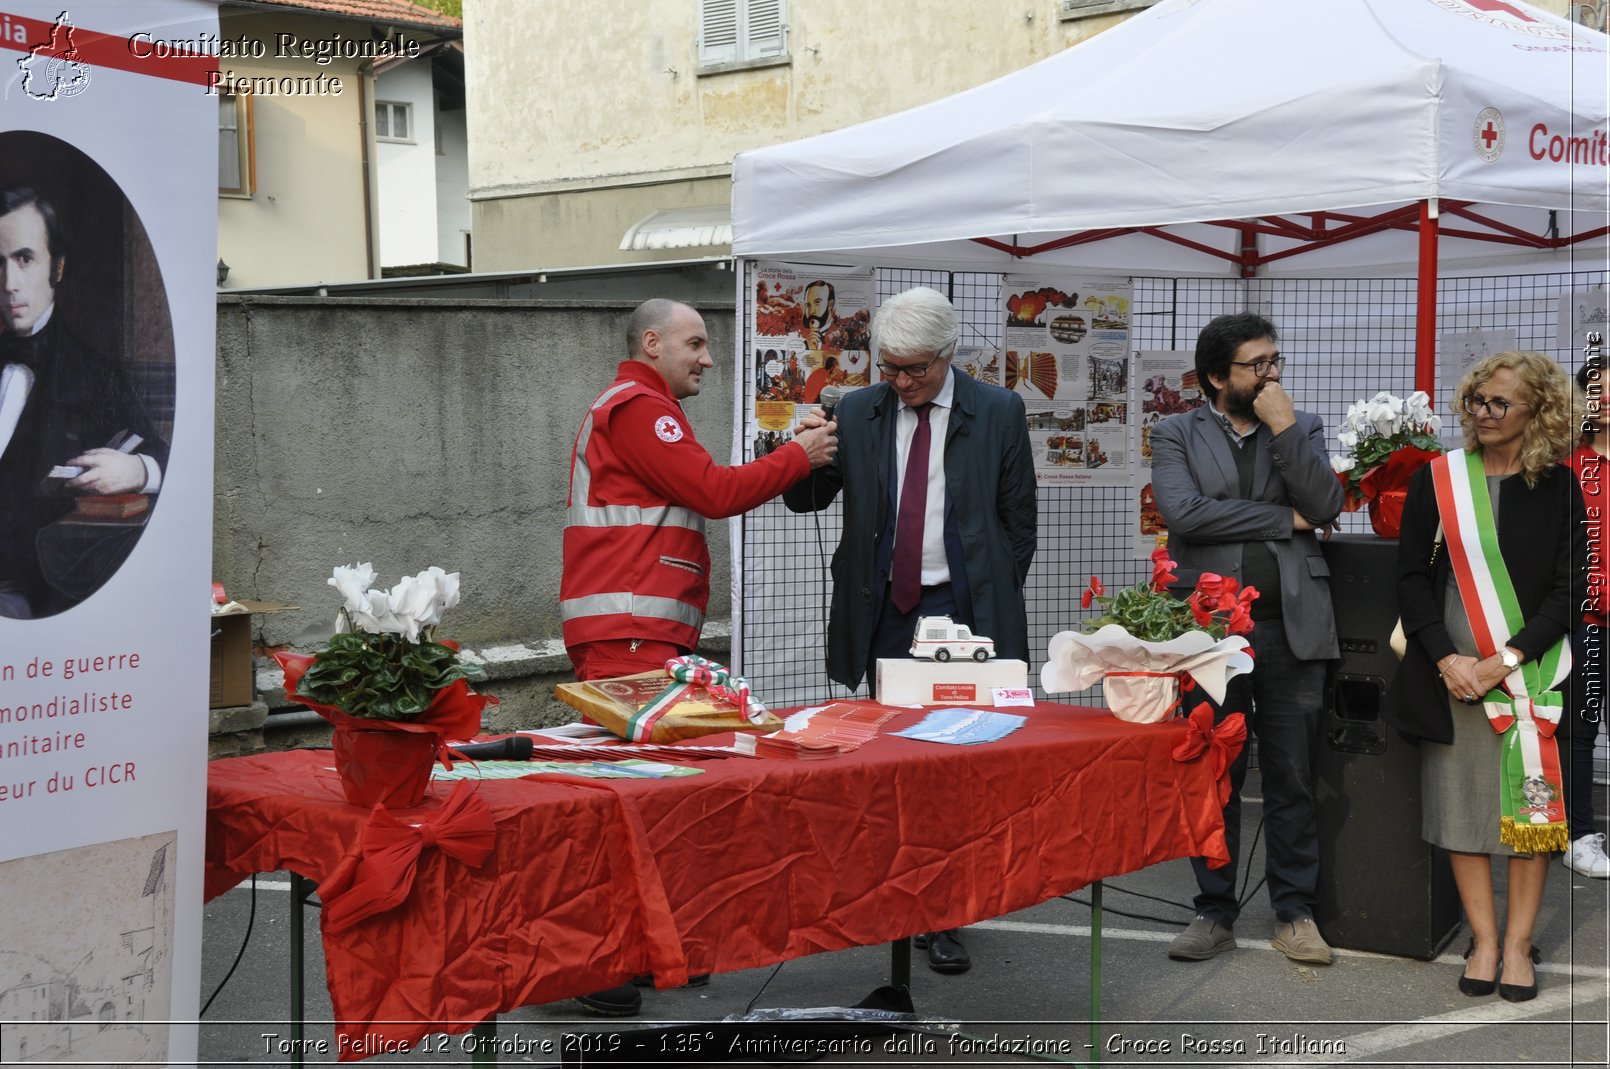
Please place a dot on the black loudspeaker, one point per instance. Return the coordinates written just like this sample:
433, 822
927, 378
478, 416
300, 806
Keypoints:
1381, 887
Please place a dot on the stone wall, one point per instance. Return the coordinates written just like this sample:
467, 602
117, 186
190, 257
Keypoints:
412, 432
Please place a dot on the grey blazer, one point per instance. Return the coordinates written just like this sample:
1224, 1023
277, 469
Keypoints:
1197, 490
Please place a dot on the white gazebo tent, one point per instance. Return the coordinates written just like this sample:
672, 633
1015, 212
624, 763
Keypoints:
1307, 145
1240, 137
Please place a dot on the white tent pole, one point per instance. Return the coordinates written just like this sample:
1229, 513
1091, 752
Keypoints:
1425, 334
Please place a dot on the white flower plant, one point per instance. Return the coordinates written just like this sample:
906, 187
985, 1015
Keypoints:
1375, 429
384, 663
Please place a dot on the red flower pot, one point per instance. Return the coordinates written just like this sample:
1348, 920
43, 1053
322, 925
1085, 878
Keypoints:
1386, 512
385, 766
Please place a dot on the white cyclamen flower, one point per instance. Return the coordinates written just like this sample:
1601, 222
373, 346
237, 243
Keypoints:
353, 581
1347, 440
412, 601
1341, 462
375, 616
1382, 419
445, 585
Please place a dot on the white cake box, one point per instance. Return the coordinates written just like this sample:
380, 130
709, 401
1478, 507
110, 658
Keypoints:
905, 681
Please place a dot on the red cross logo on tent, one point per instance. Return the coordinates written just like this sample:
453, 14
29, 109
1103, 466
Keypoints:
1497, 6
1488, 134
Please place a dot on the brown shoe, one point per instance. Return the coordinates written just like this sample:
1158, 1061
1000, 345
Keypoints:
1300, 941
1201, 940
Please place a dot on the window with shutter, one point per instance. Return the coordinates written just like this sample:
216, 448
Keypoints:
234, 145
740, 31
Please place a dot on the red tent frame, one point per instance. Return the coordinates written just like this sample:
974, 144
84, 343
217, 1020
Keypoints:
1323, 229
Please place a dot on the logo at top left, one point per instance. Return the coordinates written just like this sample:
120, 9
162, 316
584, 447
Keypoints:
52, 70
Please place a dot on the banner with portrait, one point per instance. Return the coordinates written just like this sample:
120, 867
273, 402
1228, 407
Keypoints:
108, 187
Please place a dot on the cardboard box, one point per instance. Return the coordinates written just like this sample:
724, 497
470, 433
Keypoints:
229, 675
905, 681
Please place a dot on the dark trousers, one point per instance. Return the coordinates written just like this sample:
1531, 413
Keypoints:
891, 637
1282, 700
1579, 725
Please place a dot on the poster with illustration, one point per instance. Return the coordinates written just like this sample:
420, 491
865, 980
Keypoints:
1457, 353
810, 329
1067, 354
1167, 386
1579, 313
982, 364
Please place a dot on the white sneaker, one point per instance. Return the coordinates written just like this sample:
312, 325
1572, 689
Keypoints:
1587, 858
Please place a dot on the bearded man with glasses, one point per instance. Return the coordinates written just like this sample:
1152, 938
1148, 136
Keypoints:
939, 507
1242, 482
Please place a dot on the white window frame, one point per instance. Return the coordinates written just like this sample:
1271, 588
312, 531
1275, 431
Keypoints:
395, 106
240, 106
741, 34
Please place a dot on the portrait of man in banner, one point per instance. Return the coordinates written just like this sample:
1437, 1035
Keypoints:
86, 377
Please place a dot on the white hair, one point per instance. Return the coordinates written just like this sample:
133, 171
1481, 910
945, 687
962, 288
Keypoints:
917, 321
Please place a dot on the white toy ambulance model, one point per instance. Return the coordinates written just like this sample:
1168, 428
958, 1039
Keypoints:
938, 638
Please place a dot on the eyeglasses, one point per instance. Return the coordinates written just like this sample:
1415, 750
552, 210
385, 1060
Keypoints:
1495, 407
915, 371
1262, 368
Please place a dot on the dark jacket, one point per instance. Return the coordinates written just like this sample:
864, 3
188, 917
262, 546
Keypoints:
990, 516
80, 400
1543, 540
1197, 487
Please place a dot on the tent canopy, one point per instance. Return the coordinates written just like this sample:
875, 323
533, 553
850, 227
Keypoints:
1222, 136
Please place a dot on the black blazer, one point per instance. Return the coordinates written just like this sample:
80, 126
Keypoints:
1543, 539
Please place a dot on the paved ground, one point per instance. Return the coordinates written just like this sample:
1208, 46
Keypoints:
1029, 985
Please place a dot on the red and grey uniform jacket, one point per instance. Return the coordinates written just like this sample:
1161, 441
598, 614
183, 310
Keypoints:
636, 564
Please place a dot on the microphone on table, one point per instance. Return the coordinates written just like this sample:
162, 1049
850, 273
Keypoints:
513, 748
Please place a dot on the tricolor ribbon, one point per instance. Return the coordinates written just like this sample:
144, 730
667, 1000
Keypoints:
378, 873
1522, 709
686, 673
1223, 741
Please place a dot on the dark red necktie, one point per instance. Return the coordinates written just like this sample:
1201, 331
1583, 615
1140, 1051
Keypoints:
906, 579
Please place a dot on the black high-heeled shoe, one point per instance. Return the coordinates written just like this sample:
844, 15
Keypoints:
1476, 988
1521, 992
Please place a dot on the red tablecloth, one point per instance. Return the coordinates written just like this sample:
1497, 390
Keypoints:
752, 862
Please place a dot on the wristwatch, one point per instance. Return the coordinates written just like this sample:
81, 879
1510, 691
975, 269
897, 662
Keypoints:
1507, 656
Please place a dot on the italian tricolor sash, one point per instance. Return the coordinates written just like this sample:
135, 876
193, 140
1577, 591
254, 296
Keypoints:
1521, 709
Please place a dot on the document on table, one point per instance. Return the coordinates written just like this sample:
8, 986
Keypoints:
628, 769
963, 727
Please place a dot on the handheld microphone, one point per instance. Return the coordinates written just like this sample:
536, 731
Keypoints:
513, 748
830, 397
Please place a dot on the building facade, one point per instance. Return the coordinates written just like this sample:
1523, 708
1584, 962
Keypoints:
298, 156
598, 124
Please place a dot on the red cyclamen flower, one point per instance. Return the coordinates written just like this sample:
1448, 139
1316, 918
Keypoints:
1093, 591
1162, 569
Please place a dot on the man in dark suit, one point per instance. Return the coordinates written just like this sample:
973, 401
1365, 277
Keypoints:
939, 507
64, 412
1242, 482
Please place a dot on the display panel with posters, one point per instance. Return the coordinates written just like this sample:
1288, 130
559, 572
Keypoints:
1168, 387
810, 329
1067, 354
106, 424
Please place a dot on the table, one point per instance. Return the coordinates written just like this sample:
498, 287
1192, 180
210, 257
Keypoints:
753, 862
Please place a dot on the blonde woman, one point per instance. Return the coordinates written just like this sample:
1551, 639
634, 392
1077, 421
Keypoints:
1490, 548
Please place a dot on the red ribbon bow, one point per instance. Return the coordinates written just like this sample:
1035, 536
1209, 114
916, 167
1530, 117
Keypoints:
1223, 740
378, 873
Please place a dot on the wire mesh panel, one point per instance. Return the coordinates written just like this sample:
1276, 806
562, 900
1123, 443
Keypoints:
1345, 339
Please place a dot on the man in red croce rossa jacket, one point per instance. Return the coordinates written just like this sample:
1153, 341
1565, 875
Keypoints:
636, 566
636, 577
